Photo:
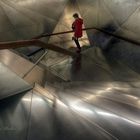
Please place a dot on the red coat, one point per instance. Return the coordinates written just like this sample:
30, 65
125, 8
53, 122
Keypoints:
77, 27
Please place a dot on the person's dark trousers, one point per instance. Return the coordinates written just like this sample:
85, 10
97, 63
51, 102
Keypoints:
77, 43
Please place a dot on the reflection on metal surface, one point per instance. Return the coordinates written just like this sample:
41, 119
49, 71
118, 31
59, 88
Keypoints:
64, 24
64, 40
44, 92
24, 19
117, 15
102, 99
10, 83
26, 99
95, 61
33, 18
14, 114
17, 64
59, 102
81, 109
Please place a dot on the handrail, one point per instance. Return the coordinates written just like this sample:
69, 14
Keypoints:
91, 28
35, 42
119, 37
59, 33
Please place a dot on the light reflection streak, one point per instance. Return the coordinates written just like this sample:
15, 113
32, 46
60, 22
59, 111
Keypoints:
81, 109
26, 99
61, 103
131, 96
75, 107
29, 99
107, 114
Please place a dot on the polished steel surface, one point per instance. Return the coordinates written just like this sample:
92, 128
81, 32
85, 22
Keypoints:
117, 16
10, 83
114, 16
64, 40
24, 19
94, 65
21, 66
27, 18
108, 108
14, 117
103, 94
103, 110
101, 101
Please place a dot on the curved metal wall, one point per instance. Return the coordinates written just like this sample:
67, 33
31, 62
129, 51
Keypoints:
24, 19
118, 16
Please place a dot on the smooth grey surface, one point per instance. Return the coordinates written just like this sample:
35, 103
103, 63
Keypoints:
116, 16
94, 65
25, 19
100, 111
30, 18
101, 101
42, 119
125, 53
14, 117
105, 110
61, 121
10, 83
21, 67
110, 107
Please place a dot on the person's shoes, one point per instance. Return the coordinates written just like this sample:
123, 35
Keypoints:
78, 51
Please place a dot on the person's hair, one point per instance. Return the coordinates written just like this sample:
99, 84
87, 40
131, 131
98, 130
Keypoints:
75, 15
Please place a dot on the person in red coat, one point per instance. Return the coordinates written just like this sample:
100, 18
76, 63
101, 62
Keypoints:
78, 32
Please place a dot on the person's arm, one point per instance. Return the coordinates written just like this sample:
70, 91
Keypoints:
73, 25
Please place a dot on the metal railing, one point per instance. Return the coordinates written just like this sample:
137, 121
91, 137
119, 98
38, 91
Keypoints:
91, 28
36, 42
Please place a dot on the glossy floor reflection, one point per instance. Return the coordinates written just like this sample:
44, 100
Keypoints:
102, 93
93, 65
98, 98
95, 111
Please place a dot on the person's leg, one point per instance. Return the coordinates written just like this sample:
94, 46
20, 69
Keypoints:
77, 43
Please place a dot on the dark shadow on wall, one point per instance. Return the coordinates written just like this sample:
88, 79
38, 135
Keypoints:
101, 39
13, 113
124, 52
120, 51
